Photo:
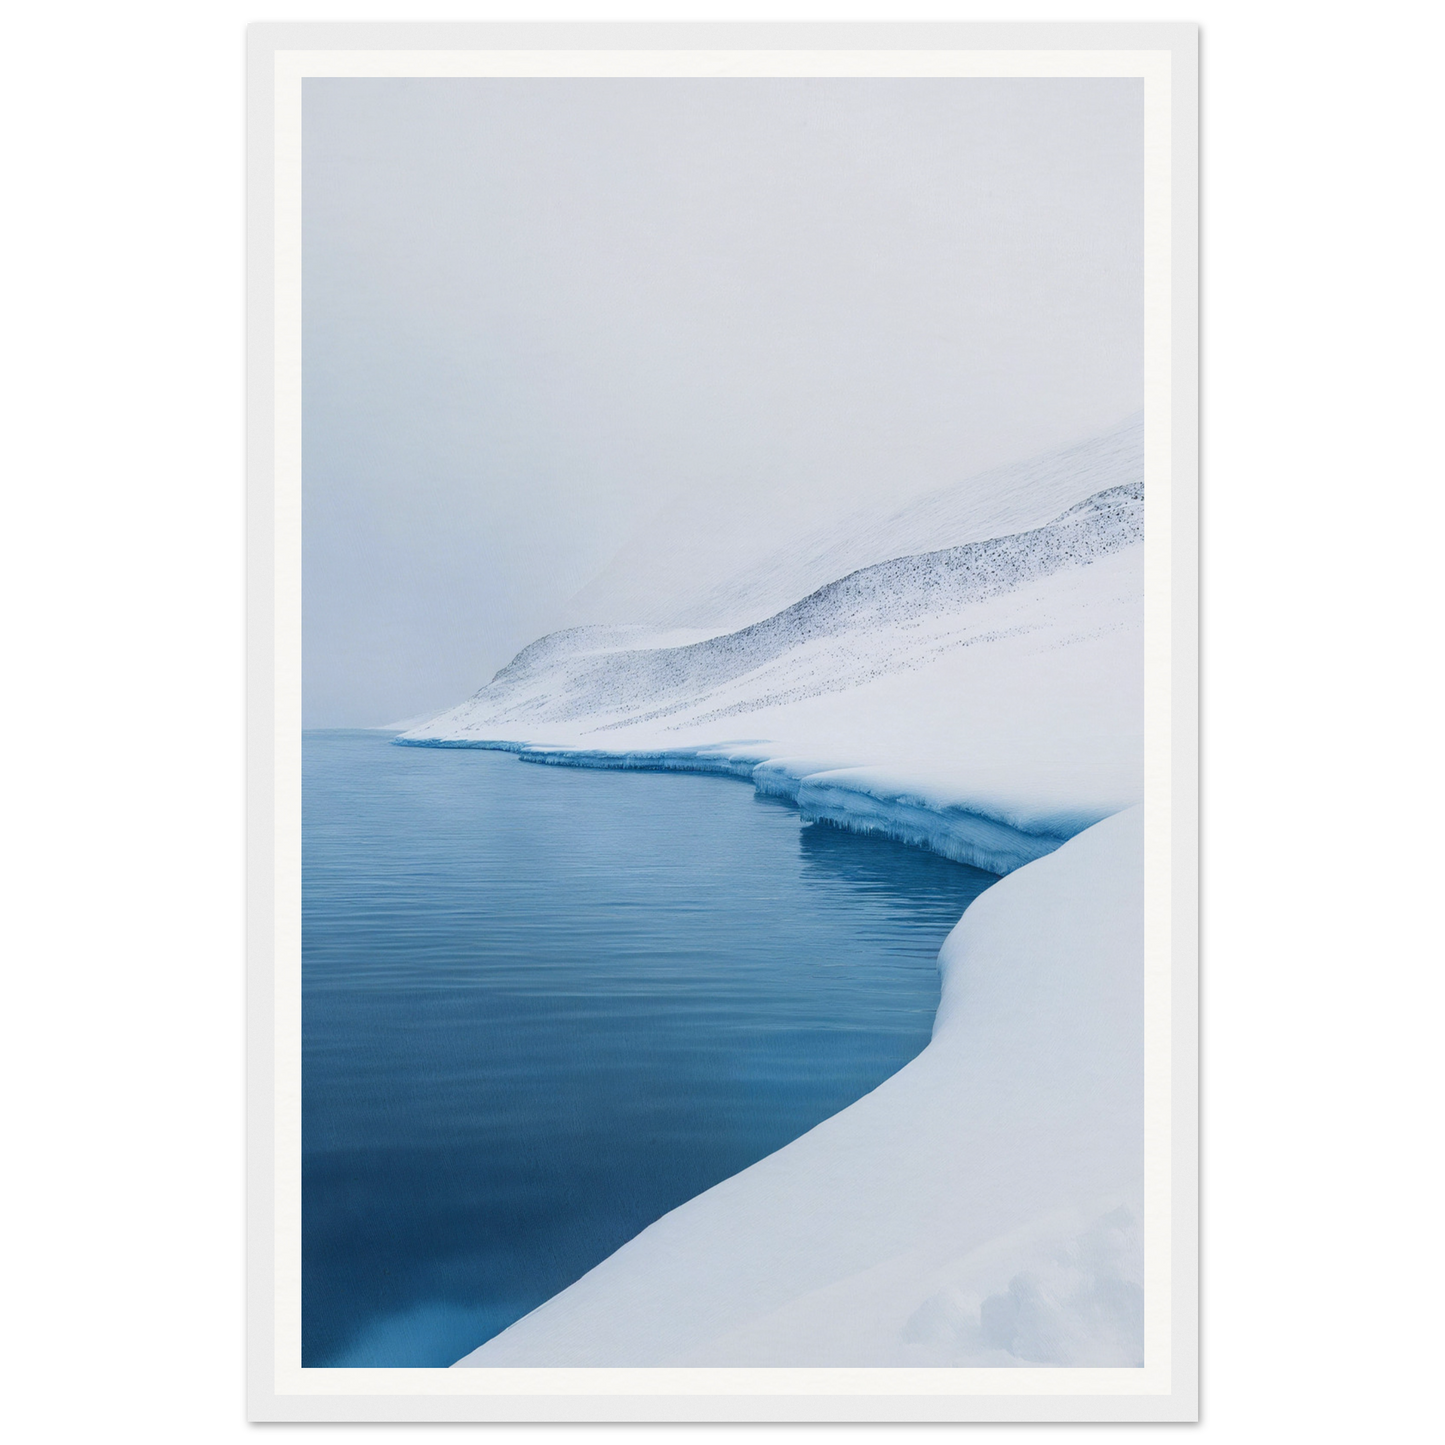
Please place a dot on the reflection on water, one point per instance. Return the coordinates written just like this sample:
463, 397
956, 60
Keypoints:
895, 875
543, 1006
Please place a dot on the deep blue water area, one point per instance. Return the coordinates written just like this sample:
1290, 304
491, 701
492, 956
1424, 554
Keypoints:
543, 1006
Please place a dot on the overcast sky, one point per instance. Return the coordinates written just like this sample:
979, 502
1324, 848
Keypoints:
538, 310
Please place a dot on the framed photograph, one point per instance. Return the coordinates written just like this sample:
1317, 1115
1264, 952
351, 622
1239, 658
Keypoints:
722, 722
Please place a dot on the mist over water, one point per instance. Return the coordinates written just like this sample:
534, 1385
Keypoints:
543, 1006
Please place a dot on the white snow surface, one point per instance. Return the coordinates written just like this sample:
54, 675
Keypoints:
983, 699
980, 1207
705, 564
997, 685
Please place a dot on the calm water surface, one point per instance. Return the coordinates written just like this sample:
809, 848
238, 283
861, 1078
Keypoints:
543, 1006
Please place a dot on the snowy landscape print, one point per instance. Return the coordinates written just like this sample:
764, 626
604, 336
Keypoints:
723, 918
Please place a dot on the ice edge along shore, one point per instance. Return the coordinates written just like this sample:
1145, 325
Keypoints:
990, 836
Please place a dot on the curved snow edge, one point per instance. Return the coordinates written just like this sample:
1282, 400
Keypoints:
981, 1207
989, 833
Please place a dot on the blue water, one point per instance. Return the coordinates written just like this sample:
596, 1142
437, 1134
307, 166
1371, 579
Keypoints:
543, 1006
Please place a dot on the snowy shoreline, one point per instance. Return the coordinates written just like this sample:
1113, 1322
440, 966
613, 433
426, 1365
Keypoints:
982, 1205
964, 675
965, 827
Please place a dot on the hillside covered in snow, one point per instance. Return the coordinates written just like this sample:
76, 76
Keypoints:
879, 619
709, 566
963, 673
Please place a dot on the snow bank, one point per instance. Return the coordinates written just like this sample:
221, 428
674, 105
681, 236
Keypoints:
967, 825
981, 1207
867, 800
983, 699
986, 724
783, 777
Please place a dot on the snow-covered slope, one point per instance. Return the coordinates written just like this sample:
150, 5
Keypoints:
844, 633
693, 567
982, 697
980, 1207
1000, 679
